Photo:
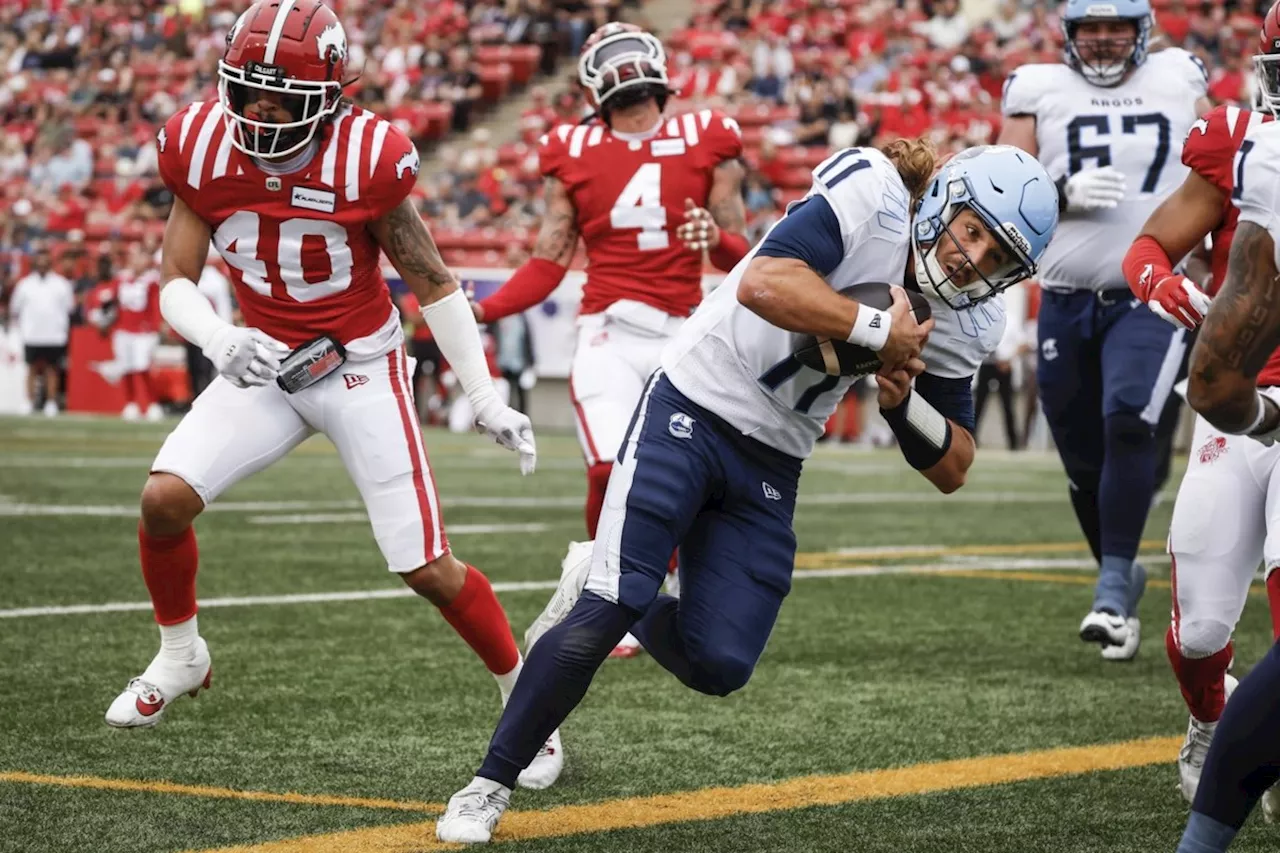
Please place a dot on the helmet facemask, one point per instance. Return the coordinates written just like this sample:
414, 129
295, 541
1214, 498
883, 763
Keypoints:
1118, 53
308, 103
926, 241
624, 63
1266, 71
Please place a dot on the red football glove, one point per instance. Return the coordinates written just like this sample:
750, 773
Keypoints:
1176, 299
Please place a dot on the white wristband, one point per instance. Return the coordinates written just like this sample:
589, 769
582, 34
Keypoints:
454, 328
1261, 416
190, 314
870, 328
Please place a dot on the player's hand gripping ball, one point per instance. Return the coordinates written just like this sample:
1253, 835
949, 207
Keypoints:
841, 358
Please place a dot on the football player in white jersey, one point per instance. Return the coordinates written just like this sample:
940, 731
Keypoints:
712, 460
1108, 124
1239, 334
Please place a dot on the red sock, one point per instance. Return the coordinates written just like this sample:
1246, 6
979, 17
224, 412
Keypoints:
1201, 679
597, 483
1273, 600
169, 570
130, 387
480, 620
142, 389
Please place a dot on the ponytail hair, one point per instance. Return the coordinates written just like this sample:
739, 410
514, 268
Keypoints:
916, 162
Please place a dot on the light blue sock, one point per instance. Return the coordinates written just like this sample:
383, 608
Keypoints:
1137, 586
1113, 589
1205, 835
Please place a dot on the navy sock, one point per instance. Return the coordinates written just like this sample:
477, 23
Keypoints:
1085, 503
1244, 758
1205, 835
1124, 499
554, 679
659, 632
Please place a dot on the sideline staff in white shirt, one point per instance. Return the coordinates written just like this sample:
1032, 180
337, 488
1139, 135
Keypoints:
41, 308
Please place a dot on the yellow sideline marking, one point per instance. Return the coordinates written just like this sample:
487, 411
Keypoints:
716, 803
160, 786
818, 559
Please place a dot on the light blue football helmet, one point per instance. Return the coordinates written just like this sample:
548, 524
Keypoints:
1096, 71
1014, 196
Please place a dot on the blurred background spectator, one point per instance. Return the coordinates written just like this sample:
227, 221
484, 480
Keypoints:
477, 82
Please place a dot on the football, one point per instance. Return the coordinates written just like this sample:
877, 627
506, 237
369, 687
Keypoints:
841, 358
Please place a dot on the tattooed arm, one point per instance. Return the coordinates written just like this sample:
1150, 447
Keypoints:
1240, 332
552, 253
718, 227
558, 237
404, 237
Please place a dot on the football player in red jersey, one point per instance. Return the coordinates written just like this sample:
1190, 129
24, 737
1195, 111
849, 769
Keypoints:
625, 182
130, 306
300, 192
1227, 516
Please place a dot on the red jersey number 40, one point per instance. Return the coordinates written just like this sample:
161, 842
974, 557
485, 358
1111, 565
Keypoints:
269, 250
639, 205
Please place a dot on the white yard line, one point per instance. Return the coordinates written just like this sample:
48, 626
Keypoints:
499, 586
853, 498
361, 518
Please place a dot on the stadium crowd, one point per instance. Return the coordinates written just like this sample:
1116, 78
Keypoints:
86, 82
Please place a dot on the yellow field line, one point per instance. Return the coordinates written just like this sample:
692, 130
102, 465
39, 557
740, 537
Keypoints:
162, 787
817, 559
717, 803
1050, 577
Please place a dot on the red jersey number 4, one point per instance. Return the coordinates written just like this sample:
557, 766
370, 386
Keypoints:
639, 205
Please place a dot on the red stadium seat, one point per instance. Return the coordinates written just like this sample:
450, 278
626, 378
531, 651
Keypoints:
523, 59
496, 80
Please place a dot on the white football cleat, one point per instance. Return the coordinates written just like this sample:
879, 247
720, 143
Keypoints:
155, 412
50, 409
1105, 628
1196, 746
1129, 649
628, 647
573, 577
143, 702
130, 412
473, 812
545, 768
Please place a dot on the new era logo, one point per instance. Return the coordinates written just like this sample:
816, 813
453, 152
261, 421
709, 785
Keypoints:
771, 493
354, 379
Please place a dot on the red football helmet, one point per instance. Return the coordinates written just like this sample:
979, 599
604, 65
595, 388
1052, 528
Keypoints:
1266, 62
297, 51
621, 58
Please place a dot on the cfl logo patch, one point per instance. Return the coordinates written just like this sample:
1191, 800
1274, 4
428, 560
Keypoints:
680, 425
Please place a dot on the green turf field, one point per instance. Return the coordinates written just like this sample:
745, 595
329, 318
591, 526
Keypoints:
924, 673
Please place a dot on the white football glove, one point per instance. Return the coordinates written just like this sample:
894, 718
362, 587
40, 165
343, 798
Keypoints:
1095, 189
246, 357
512, 430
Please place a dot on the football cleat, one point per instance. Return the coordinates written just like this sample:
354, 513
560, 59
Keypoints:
1128, 650
628, 647
573, 577
1105, 628
145, 699
1195, 747
473, 812
545, 768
